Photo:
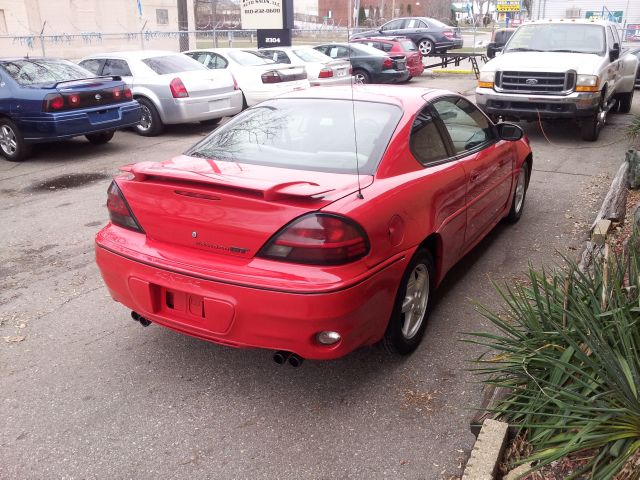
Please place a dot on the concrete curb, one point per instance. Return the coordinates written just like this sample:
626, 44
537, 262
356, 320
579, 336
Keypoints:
487, 451
451, 70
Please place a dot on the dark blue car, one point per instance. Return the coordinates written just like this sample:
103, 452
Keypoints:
44, 100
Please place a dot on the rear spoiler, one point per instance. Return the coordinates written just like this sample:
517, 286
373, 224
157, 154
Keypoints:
103, 77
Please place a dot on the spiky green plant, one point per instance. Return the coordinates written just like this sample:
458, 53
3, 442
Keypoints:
568, 348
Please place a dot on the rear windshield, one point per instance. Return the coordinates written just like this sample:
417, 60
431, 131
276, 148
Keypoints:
408, 45
367, 50
172, 64
311, 55
557, 37
38, 72
249, 59
306, 134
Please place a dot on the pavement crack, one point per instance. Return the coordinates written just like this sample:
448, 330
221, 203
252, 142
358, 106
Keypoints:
563, 173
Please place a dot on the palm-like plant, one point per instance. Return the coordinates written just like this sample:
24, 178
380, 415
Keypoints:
568, 348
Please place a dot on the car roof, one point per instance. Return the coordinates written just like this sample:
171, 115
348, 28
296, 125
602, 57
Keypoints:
395, 94
399, 38
132, 54
51, 59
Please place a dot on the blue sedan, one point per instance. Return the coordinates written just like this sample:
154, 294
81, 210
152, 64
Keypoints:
44, 100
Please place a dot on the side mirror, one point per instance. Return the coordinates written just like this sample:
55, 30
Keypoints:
614, 53
509, 132
491, 50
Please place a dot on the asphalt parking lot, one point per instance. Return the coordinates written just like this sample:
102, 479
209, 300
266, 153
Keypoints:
88, 393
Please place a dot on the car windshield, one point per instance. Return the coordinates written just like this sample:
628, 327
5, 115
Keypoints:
408, 46
311, 55
173, 64
249, 59
38, 72
306, 134
556, 37
367, 50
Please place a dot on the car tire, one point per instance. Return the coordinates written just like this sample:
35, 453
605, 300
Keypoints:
361, 76
426, 47
591, 126
409, 79
100, 138
150, 124
244, 102
12, 144
412, 305
519, 195
624, 102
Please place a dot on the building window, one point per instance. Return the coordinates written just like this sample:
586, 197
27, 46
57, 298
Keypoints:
3, 23
162, 16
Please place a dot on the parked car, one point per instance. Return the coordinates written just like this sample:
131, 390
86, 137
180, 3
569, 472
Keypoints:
258, 78
636, 53
428, 34
314, 223
321, 69
369, 64
398, 45
557, 69
499, 39
170, 87
47, 99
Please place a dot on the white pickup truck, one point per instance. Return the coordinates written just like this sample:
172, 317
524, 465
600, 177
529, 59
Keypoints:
559, 69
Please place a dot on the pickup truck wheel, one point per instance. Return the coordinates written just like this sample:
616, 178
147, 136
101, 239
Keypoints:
624, 102
591, 126
12, 145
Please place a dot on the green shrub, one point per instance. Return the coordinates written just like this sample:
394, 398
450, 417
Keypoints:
568, 347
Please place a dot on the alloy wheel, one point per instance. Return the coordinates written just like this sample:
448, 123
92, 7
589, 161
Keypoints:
520, 190
416, 299
8, 140
425, 47
145, 120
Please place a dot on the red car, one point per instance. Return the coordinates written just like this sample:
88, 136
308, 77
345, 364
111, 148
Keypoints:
397, 45
297, 228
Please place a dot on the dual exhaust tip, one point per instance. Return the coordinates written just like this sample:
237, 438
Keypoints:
281, 357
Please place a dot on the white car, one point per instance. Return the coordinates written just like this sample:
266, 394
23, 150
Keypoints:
321, 69
258, 77
170, 87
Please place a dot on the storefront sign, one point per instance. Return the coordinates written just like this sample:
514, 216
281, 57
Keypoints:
258, 14
508, 5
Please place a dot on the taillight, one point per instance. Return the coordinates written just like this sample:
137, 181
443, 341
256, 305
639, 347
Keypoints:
388, 63
326, 72
53, 102
74, 99
117, 93
449, 33
271, 77
127, 93
178, 90
119, 211
318, 239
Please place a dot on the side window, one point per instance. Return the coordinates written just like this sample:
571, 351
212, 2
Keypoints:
421, 24
384, 46
393, 25
281, 57
93, 65
425, 142
616, 36
466, 125
338, 52
116, 67
218, 62
324, 50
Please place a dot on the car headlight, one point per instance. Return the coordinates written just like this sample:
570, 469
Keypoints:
587, 83
486, 79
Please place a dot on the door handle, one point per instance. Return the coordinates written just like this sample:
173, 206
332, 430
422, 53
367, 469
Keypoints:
475, 176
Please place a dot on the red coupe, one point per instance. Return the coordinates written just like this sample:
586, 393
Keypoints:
314, 223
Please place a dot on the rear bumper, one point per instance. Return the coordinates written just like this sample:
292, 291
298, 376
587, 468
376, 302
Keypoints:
391, 76
63, 125
245, 316
256, 96
449, 44
415, 70
319, 82
195, 109
519, 106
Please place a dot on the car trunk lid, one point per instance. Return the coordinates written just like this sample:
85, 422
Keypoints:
222, 207
204, 83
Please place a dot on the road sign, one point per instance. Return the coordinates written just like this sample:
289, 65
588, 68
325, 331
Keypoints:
508, 5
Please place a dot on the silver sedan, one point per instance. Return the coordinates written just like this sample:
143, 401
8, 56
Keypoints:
170, 87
